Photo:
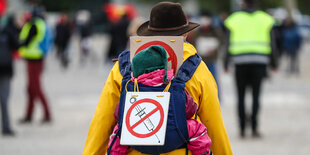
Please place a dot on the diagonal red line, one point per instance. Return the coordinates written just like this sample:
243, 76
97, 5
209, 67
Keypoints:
169, 58
145, 117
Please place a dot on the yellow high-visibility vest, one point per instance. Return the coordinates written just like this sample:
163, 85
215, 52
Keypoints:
32, 51
249, 32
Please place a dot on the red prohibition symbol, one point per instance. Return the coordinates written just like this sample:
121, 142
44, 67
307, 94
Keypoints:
172, 56
158, 107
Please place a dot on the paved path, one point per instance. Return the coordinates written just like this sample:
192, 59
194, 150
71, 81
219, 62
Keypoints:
74, 93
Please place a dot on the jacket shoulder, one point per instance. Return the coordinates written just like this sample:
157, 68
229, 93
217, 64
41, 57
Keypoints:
124, 63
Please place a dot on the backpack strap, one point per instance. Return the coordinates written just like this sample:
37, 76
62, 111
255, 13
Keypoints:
124, 63
188, 68
185, 73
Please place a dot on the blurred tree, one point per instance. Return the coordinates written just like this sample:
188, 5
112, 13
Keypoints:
215, 5
219, 6
57, 5
212, 5
304, 6
70, 5
266, 4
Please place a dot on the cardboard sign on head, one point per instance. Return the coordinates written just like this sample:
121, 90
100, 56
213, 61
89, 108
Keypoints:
172, 44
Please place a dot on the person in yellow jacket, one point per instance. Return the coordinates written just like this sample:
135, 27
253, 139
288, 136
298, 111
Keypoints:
164, 21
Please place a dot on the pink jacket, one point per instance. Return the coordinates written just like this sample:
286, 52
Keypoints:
199, 142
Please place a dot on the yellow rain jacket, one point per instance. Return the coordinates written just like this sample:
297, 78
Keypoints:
202, 88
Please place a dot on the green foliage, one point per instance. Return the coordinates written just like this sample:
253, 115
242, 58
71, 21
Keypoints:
57, 5
266, 4
304, 6
215, 5
219, 6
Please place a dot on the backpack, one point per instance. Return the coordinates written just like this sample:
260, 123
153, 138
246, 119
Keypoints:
5, 53
176, 132
47, 42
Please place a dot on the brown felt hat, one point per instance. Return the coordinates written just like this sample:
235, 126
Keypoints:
166, 19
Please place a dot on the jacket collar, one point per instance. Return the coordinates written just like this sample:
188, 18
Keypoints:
188, 50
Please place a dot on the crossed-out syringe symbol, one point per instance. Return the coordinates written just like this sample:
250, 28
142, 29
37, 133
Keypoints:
141, 113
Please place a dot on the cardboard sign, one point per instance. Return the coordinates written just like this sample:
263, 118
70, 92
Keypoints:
172, 44
145, 118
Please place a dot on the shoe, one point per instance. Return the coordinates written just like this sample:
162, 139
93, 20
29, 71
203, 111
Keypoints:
256, 134
8, 133
242, 134
25, 121
46, 121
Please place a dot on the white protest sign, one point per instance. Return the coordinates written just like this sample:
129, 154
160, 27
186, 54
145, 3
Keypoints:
172, 44
145, 118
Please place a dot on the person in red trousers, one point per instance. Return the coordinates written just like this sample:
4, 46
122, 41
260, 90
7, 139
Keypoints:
32, 33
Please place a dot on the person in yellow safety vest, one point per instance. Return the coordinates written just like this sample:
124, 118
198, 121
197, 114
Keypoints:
31, 35
201, 87
251, 48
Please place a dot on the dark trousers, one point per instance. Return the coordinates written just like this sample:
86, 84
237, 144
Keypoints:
62, 54
293, 66
4, 96
249, 75
34, 70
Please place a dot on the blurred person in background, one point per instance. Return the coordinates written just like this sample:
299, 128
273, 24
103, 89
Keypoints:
131, 31
85, 31
251, 48
31, 35
120, 18
8, 44
277, 29
119, 37
291, 44
26, 17
63, 34
208, 39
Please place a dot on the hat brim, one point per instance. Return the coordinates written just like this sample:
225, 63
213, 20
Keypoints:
144, 31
